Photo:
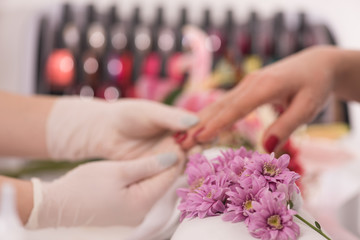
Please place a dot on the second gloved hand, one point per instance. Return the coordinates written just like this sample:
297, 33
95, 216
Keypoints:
104, 193
126, 129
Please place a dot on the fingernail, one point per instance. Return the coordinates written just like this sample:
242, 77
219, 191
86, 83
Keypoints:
279, 109
181, 137
271, 143
189, 120
176, 135
167, 159
198, 132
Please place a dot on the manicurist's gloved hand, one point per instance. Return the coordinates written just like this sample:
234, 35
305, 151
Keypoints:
104, 193
125, 129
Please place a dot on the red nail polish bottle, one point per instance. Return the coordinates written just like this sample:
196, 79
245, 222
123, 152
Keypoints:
60, 64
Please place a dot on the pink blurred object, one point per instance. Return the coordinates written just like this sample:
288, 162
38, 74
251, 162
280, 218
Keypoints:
317, 155
197, 101
201, 59
154, 88
250, 127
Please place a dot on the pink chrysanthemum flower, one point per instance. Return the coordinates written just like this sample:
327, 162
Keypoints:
231, 162
272, 220
207, 200
240, 199
272, 169
197, 170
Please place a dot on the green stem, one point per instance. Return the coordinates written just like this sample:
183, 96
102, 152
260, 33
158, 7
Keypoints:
312, 226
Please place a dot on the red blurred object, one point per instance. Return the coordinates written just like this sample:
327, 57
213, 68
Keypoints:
294, 164
60, 68
152, 65
124, 77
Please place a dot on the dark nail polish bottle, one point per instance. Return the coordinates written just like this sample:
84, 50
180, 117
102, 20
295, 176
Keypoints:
173, 69
108, 87
119, 57
152, 62
141, 43
93, 43
304, 35
283, 38
215, 41
253, 60
60, 64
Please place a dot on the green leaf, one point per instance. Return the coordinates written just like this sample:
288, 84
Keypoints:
317, 224
290, 204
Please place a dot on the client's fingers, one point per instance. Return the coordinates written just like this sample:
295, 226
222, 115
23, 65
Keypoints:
301, 110
238, 104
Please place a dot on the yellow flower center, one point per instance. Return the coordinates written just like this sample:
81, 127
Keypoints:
275, 222
270, 170
209, 195
248, 205
197, 184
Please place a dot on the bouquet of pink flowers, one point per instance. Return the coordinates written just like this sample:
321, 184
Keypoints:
246, 186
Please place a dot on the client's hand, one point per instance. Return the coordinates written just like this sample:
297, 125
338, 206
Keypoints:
299, 84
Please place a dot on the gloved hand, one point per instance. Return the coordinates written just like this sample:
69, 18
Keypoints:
125, 129
104, 193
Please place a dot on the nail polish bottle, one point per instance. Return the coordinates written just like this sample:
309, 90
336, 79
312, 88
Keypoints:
152, 62
120, 58
174, 66
41, 83
141, 46
228, 69
148, 84
264, 42
95, 32
277, 33
60, 64
230, 28
107, 87
215, 41
304, 35
284, 42
70, 33
252, 61
92, 46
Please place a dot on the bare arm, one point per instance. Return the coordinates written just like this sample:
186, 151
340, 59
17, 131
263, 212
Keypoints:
347, 75
23, 125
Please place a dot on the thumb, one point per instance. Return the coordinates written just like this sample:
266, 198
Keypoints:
143, 168
172, 118
300, 111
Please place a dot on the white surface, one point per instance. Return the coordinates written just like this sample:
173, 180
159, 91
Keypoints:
214, 228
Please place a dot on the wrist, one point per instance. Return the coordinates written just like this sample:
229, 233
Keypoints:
24, 196
71, 128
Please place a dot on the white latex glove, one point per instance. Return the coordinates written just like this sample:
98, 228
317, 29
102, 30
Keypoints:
125, 129
104, 193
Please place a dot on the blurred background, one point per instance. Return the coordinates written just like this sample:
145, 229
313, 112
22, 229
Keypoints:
139, 49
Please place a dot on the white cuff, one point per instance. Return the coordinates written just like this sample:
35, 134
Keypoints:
33, 221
